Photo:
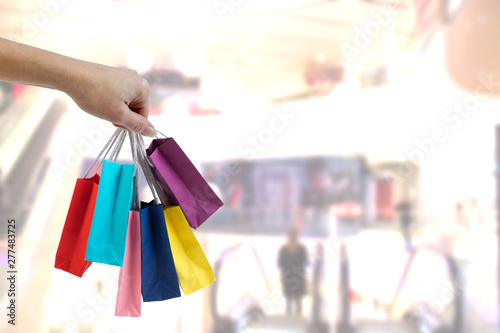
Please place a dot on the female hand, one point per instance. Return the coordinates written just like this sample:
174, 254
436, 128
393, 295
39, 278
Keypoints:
116, 94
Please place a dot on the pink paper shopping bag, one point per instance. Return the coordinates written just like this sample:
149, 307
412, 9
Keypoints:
128, 299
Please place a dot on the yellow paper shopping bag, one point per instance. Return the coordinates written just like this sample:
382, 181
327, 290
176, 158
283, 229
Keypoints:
193, 269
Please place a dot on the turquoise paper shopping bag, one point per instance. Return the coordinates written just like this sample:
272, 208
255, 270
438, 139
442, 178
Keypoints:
108, 232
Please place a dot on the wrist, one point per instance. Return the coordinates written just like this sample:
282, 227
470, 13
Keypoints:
69, 75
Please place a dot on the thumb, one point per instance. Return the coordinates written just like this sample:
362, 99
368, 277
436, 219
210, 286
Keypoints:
135, 122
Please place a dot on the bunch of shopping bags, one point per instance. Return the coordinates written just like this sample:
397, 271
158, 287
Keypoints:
152, 242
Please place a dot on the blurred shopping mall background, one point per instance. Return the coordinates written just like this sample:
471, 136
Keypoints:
351, 121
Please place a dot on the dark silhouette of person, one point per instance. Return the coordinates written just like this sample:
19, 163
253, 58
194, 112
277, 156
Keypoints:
405, 219
292, 261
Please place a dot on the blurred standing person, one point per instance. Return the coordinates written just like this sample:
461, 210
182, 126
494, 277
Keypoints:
474, 214
405, 220
460, 216
468, 214
292, 261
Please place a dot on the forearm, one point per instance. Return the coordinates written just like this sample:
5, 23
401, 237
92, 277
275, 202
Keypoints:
29, 65
118, 95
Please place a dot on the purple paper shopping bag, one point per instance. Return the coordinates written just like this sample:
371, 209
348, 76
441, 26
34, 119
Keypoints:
182, 183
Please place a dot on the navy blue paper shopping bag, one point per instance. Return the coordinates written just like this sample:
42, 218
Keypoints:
159, 277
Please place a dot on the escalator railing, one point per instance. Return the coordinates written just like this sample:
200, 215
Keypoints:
24, 152
454, 273
415, 320
223, 324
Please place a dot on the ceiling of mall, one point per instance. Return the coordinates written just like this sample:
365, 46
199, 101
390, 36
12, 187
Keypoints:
248, 43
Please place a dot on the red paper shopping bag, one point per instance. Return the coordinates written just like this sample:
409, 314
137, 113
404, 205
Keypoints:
70, 256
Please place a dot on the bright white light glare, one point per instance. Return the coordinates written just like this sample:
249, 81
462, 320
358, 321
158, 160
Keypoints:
139, 58
175, 105
400, 64
190, 60
454, 6
320, 57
